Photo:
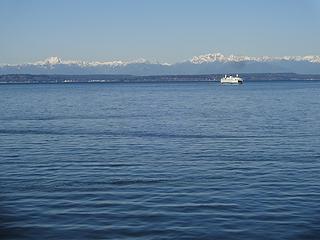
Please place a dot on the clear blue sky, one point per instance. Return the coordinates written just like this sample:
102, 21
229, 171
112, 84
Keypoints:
163, 30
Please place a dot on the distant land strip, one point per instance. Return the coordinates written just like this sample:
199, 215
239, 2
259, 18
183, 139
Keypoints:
106, 78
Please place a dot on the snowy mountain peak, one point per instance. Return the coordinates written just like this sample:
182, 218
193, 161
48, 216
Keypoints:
51, 61
211, 57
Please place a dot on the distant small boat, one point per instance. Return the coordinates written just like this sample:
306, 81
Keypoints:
231, 80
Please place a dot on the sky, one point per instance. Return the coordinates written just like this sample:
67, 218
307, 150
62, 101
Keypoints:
165, 31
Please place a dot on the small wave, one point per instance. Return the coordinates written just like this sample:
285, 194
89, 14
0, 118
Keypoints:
55, 118
11, 156
38, 132
136, 181
148, 134
201, 206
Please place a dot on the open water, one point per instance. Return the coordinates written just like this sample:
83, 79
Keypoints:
160, 161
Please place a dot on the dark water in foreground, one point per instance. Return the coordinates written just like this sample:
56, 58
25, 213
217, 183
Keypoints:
160, 161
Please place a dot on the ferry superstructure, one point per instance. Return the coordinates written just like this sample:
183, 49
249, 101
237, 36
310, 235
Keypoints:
231, 79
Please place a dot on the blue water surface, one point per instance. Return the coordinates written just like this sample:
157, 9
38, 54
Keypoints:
160, 161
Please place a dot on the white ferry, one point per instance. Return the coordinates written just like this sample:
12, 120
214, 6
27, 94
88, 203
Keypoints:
231, 80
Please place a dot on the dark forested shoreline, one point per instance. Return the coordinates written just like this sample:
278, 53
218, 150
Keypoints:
38, 79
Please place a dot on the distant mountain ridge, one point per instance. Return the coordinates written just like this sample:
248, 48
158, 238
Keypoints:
218, 57
202, 64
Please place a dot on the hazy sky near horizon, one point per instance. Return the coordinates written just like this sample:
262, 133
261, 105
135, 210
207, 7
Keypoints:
165, 31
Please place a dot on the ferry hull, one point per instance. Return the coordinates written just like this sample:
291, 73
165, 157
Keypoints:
231, 82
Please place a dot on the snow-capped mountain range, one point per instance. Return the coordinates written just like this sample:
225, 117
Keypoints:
57, 61
218, 57
202, 64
